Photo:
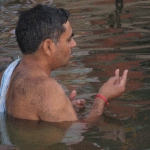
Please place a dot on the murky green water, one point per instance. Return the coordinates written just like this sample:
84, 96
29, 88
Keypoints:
109, 35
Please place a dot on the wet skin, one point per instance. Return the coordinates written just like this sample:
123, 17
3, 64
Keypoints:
33, 95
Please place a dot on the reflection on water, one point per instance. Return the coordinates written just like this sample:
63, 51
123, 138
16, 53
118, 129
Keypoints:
110, 34
109, 133
114, 18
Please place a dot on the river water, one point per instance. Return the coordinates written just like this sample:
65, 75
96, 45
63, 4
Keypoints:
109, 34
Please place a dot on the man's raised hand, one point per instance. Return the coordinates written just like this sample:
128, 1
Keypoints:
115, 86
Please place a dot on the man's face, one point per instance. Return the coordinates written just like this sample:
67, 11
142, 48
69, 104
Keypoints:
64, 46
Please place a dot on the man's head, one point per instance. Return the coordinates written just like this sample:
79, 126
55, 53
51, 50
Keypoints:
38, 24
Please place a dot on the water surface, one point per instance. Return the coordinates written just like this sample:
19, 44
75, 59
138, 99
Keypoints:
109, 34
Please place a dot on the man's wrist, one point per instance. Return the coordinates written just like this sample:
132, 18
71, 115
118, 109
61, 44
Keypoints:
103, 98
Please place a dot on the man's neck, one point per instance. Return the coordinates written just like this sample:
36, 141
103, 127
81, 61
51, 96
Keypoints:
33, 61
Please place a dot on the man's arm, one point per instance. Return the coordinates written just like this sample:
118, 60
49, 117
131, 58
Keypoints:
57, 107
113, 88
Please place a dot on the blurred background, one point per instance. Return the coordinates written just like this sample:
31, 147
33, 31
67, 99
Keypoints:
110, 34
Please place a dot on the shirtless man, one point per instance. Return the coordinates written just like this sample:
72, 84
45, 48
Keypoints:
45, 38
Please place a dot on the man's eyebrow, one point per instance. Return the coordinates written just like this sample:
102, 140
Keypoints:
71, 36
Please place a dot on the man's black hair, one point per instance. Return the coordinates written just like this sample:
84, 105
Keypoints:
38, 24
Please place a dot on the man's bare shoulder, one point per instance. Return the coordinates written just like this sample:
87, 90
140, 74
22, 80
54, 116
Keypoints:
35, 85
34, 95
53, 92
54, 105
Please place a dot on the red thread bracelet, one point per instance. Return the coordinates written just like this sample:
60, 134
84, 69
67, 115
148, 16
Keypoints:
102, 97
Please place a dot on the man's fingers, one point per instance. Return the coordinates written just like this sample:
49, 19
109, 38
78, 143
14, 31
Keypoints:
73, 95
118, 80
117, 76
112, 81
76, 103
81, 101
115, 80
124, 77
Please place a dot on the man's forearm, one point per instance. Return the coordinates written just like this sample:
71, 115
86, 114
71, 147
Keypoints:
97, 108
96, 111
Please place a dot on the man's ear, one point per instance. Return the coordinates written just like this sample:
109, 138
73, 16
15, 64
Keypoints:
48, 46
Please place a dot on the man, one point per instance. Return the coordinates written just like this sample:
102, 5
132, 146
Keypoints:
45, 38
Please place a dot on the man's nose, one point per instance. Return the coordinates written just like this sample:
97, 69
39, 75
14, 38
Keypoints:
73, 43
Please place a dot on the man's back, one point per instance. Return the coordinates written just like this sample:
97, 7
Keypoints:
33, 95
20, 100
